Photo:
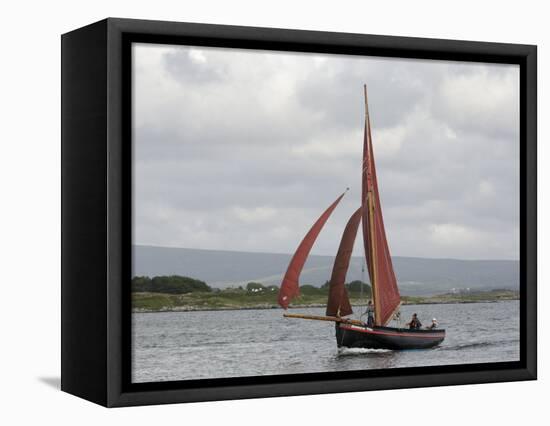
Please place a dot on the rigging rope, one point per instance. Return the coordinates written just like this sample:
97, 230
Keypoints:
362, 310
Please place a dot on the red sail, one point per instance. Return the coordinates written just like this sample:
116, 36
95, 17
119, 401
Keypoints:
384, 284
338, 302
290, 287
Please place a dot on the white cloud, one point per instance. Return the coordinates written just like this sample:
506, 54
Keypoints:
481, 99
453, 235
389, 141
197, 56
254, 215
486, 188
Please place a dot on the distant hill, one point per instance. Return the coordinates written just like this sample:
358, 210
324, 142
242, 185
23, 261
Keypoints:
416, 276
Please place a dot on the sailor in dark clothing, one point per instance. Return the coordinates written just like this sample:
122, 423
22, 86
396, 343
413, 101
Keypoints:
370, 314
415, 323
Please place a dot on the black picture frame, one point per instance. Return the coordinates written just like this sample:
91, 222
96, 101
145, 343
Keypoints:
96, 211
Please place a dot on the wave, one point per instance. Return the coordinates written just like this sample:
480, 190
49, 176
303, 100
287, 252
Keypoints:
474, 345
360, 351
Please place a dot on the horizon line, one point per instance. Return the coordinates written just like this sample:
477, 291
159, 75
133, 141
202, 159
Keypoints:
324, 255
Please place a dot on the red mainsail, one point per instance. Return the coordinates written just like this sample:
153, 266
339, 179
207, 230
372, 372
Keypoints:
338, 301
290, 287
382, 276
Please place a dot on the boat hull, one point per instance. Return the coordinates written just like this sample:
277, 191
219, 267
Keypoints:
355, 336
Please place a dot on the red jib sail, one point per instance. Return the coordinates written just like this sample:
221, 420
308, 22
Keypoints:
338, 301
382, 276
290, 287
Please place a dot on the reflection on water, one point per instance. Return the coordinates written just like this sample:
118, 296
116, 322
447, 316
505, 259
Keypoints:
211, 344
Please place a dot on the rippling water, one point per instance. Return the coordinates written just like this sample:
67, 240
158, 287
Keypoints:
213, 344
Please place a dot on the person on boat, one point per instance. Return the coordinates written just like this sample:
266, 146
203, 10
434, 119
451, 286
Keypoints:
370, 314
415, 323
432, 325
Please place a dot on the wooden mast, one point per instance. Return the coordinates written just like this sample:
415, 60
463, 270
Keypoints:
370, 209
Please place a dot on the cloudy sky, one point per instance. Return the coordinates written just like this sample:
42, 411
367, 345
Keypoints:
243, 150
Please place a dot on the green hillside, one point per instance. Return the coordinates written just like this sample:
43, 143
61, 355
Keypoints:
175, 293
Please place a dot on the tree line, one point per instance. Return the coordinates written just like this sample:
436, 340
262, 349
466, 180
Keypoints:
173, 284
177, 284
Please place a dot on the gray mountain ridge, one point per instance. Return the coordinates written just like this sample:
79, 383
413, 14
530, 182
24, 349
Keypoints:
415, 276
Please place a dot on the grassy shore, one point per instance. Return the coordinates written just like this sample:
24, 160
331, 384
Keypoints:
234, 299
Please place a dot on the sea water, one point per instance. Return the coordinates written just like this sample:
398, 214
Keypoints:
235, 343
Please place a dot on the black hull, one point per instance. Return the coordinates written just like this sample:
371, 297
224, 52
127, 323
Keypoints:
354, 336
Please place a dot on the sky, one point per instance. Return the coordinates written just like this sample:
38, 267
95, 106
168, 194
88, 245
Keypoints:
244, 149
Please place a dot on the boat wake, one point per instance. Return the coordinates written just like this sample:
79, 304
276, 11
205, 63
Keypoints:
474, 345
360, 351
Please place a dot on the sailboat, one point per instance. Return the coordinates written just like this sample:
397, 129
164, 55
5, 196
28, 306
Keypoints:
354, 333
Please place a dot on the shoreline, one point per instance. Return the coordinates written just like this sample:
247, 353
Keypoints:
188, 308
